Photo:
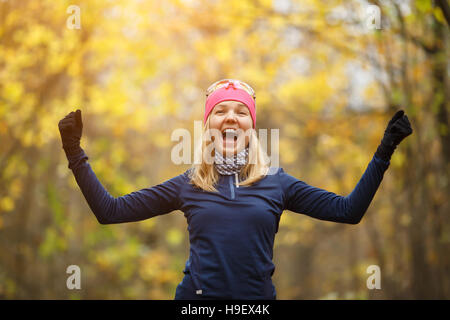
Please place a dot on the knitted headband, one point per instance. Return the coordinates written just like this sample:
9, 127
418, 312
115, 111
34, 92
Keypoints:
230, 93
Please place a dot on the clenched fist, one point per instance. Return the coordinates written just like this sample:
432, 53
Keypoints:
71, 128
397, 129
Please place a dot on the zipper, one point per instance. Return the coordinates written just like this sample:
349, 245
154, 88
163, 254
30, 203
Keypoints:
231, 186
195, 281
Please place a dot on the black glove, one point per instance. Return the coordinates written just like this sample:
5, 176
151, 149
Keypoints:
71, 128
397, 130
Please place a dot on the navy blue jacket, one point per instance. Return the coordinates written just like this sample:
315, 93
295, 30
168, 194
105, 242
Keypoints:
232, 232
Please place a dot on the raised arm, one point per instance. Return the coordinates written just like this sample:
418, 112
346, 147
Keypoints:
318, 203
301, 197
143, 204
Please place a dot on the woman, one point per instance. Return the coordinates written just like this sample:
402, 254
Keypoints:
232, 207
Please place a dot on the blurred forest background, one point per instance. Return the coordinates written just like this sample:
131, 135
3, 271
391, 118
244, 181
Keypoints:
324, 75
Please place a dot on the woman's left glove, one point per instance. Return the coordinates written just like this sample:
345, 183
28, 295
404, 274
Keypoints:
397, 129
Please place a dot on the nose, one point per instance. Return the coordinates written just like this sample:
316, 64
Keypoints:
231, 116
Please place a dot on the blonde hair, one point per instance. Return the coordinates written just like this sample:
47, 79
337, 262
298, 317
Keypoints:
205, 175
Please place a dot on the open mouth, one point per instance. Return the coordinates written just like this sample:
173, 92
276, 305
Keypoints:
230, 136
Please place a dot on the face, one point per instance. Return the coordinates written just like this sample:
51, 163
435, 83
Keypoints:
234, 115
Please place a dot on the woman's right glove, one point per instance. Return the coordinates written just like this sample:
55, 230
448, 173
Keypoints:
397, 130
71, 128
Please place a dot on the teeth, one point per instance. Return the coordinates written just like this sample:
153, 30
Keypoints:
232, 133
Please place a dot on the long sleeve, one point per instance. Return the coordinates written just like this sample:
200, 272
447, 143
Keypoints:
300, 197
139, 205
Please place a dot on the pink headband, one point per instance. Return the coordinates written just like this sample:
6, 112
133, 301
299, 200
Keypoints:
230, 93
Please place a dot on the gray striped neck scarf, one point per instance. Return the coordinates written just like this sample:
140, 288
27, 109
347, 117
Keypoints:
230, 165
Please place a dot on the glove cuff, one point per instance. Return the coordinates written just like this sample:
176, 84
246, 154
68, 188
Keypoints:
72, 150
385, 150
